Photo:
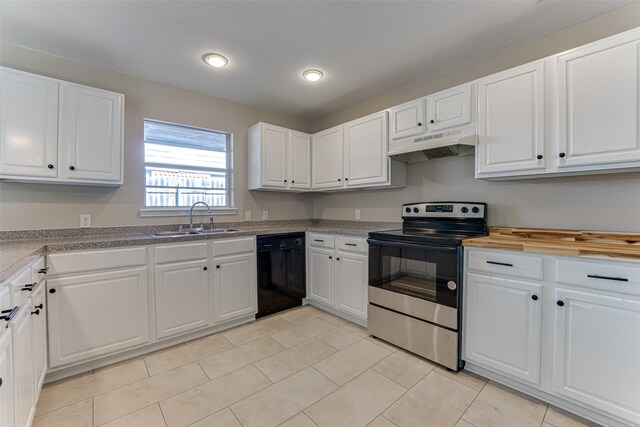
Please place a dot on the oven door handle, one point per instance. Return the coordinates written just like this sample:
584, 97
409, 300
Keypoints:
403, 245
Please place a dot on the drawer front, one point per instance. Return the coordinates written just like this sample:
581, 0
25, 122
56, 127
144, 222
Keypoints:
321, 240
75, 262
352, 244
234, 246
21, 286
506, 263
605, 275
5, 300
180, 252
36, 267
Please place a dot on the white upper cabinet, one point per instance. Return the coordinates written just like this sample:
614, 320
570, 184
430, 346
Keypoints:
327, 159
449, 108
299, 160
28, 125
55, 131
408, 119
279, 159
599, 111
511, 125
366, 145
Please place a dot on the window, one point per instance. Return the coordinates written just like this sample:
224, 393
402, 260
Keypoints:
184, 165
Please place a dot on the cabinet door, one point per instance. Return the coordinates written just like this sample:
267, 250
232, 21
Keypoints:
235, 286
39, 330
408, 119
182, 297
596, 351
511, 129
366, 147
96, 314
24, 391
503, 326
6, 375
273, 156
352, 279
28, 124
449, 108
599, 102
327, 159
91, 135
321, 276
300, 160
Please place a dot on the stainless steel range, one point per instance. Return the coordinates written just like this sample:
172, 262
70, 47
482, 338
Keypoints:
415, 278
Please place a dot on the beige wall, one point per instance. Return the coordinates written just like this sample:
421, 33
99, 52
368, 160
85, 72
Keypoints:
31, 206
609, 202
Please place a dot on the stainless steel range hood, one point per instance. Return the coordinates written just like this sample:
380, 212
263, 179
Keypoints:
460, 142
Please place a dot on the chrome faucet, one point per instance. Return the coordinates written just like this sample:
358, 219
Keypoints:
191, 213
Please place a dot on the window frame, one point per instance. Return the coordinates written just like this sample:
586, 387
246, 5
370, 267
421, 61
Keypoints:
158, 211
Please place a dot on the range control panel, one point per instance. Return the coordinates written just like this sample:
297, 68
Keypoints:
445, 210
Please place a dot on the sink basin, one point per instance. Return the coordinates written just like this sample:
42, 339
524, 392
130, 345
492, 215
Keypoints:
193, 232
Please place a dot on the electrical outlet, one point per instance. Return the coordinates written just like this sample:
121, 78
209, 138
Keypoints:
357, 213
265, 215
247, 215
85, 220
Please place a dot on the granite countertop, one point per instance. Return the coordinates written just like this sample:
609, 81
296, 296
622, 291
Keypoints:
19, 248
576, 243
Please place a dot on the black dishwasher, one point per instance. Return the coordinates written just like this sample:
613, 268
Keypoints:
282, 280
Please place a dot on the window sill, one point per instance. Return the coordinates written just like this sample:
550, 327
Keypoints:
184, 211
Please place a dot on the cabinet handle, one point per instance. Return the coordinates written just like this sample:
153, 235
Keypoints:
37, 312
285, 180
562, 155
350, 244
9, 314
318, 240
534, 297
39, 306
52, 291
339, 180
50, 166
28, 287
0, 381
217, 266
346, 179
419, 123
432, 121
560, 303
43, 270
330, 257
500, 263
205, 268
616, 279
293, 182
338, 259
539, 156
72, 168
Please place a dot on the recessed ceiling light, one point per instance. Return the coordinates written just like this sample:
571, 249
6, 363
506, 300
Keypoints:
215, 60
312, 75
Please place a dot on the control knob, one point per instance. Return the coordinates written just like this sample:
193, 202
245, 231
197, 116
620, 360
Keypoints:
407, 210
416, 210
464, 209
475, 209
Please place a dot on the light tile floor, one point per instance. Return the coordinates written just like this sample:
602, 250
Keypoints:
300, 368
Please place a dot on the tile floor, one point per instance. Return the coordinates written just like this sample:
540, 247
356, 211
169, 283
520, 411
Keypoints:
299, 368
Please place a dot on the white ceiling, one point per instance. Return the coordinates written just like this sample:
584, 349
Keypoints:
365, 48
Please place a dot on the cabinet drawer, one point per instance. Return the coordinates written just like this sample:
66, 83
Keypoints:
21, 286
75, 262
614, 276
321, 240
234, 246
506, 263
5, 300
36, 269
352, 244
181, 252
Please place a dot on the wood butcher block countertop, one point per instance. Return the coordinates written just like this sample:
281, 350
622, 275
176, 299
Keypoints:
561, 242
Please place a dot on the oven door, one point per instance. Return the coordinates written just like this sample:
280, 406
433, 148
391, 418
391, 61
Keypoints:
415, 279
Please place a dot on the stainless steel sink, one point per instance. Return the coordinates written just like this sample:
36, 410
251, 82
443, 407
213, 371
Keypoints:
193, 232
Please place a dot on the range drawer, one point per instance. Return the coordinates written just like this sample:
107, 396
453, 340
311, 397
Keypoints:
352, 244
180, 252
107, 259
506, 263
321, 240
605, 275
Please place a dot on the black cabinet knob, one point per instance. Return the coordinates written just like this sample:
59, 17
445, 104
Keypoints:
217, 266
52, 291
539, 156
432, 121
534, 297
330, 257
339, 180
72, 168
37, 312
562, 154
346, 179
39, 306
285, 180
419, 123
338, 259
560, 303
50, 166
205, 268
293, 182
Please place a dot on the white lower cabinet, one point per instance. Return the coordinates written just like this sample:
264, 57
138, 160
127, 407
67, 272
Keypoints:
596, 350
338, 273
503, 325
6, 378
181, 288
39, 331
96, 314
235, 285
24, 393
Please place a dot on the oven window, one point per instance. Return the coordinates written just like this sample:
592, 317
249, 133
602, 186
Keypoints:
418, 272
